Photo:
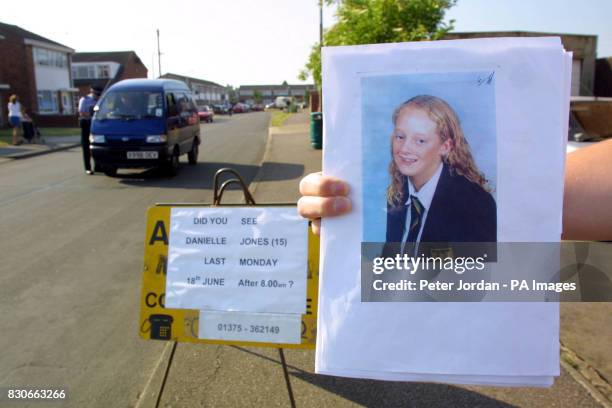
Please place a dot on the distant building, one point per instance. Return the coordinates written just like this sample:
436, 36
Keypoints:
246, 93
583, 47
603, 77
103, 69
38, 71
205, 92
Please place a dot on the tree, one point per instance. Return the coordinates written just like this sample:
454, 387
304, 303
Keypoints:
257, 96
232, 94
380, 21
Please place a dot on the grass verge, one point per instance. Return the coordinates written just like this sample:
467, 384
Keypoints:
278, 118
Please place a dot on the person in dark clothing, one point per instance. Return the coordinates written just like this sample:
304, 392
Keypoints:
86, 109
30, 130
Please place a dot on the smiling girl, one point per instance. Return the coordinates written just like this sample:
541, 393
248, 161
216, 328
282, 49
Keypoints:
436, 193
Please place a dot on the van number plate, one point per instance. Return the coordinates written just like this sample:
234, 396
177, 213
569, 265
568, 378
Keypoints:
142, 155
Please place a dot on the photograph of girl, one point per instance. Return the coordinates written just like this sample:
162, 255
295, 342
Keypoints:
436, 192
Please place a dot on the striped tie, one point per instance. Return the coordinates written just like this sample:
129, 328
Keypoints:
416, 216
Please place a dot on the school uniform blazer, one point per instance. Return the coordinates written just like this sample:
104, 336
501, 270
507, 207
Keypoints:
460, 211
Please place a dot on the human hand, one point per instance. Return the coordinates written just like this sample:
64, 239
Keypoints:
322, 196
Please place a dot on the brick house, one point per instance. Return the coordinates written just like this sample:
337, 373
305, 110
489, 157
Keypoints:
105, 68
38, 71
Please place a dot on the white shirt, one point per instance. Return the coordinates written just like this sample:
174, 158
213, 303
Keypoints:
14, 109
425, 196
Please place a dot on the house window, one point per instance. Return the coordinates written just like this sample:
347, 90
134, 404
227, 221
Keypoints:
84, 72
61, 61
80, 72
41, 56
50, 58
103, 71
67, 103
47, 102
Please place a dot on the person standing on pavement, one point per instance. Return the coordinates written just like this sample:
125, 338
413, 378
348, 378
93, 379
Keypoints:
86, 109
15, 117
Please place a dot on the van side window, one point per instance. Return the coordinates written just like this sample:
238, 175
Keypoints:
170, 102
192, 104
186, 104
183, 104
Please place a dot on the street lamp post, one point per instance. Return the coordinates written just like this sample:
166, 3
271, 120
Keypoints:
321, 22
158, 55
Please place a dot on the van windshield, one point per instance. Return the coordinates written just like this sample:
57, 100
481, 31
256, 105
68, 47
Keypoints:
131, 105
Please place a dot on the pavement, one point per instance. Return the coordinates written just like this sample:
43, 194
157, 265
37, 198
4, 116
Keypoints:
192, 375
50, 145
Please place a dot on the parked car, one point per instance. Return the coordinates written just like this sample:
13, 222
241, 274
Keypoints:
221, 109
142, 123
240, 108
206, 113
258, 107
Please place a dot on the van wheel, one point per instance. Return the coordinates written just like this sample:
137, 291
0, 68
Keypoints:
110, 171
192, 156
172, 167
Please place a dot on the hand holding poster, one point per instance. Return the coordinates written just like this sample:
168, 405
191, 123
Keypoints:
449, 141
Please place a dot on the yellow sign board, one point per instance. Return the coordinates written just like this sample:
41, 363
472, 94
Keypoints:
159, 323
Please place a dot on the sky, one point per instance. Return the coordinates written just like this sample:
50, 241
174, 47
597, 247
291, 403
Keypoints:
247, 42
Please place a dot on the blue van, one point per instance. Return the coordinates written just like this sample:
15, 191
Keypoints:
142, 123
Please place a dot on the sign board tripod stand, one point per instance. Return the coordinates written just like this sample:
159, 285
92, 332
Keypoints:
161, 322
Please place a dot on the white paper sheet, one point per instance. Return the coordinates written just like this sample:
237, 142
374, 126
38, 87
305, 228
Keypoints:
237, 259
512, 344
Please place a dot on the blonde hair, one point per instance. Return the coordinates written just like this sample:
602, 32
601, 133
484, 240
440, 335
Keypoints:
13, 98
459, 158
